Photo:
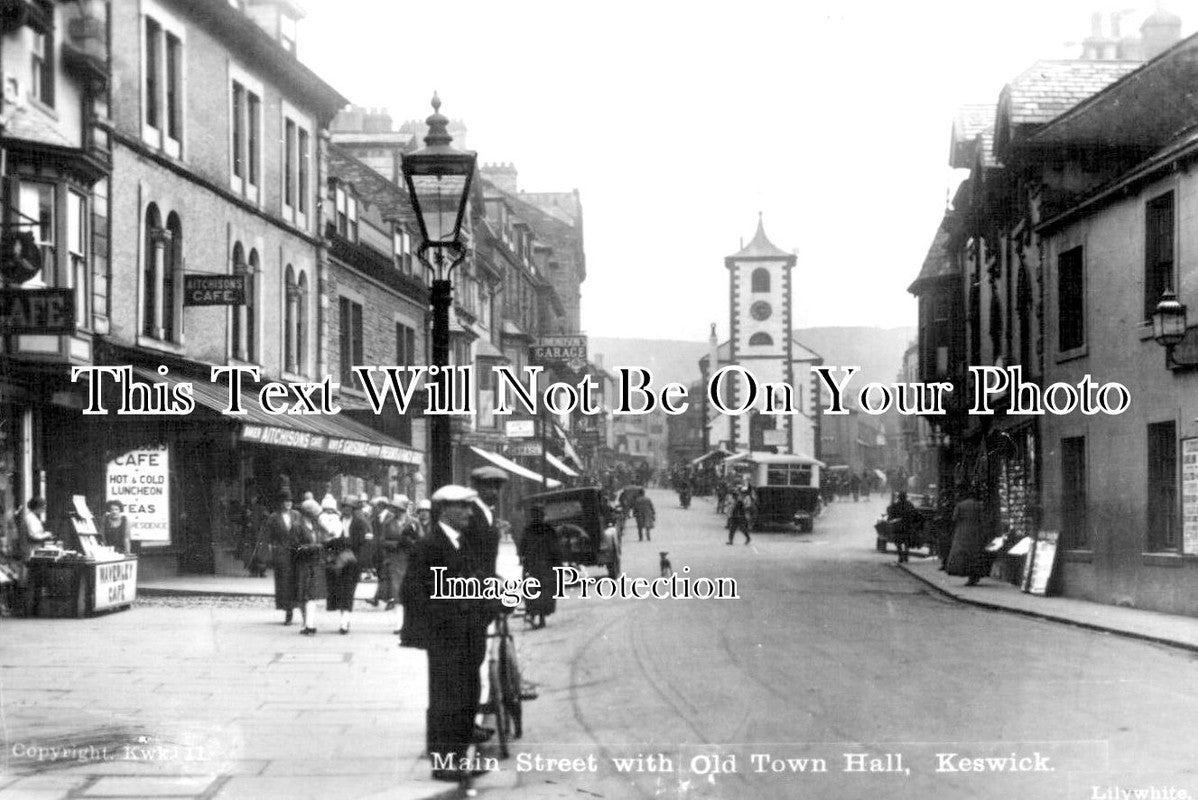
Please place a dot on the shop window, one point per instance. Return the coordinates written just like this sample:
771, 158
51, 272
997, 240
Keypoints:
350, 331
41, 86
1162, 487
1158, 251
1071, 329
36, 208
760, 280
1074, 529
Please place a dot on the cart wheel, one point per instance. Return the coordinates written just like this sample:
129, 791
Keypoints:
81, 598
500, 710
880, 545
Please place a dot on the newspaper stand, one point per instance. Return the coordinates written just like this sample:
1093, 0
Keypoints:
70, 583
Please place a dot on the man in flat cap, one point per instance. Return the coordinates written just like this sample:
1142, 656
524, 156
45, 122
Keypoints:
449, 630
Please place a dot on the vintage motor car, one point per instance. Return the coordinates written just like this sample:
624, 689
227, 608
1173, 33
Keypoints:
580, 518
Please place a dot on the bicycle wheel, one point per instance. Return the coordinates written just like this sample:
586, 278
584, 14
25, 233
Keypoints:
498, 706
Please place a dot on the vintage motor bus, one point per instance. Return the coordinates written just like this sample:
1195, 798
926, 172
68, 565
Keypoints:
786, 488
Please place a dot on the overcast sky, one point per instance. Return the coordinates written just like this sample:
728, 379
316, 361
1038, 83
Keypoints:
679, 121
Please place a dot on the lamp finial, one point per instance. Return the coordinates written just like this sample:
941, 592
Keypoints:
438, 126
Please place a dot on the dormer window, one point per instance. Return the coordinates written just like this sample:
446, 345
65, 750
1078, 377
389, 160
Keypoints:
346, 207
401, 249
288, 27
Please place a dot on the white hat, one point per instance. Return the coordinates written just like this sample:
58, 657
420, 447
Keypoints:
378, 501
400, 500
328, 503
451, 493
424, 505
311, 508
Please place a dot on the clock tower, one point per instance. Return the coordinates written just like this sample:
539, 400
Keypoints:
760, 321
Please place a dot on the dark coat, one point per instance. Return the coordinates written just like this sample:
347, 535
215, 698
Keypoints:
905, 521
282, 539
341, 574
310, 579
968, 556
645, 513
540, 551
454, 634
400, 535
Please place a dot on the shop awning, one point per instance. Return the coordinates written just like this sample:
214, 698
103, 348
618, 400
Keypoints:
741, 456
561, 466
323, 433
515, 469
706, 456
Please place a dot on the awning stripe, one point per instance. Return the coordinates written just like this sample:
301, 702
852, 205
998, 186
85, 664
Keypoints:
514, 468
338, 435
557, 462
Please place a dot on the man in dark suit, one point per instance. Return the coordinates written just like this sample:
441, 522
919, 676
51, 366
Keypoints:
452, 631
281, 532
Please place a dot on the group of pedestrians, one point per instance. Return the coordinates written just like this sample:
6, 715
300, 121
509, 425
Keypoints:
322, 550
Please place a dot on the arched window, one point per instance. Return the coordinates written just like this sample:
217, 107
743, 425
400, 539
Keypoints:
152, 255
760, 340
290, 312
301, 326
241, 332
250, 309
760, 280
172, 281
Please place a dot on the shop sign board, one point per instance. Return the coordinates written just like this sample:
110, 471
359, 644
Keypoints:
214, 290
520, 428
140, 479
524, 448
283, 437
1043, 559
37, 311
561, 351
1189, 496
115, 584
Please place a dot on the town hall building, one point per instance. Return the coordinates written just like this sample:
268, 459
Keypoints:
762, 344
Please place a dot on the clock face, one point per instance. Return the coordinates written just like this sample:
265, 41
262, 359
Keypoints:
760, 310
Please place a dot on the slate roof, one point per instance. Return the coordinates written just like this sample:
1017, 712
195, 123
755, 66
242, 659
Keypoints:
35, 127
936, 264
972, 119
761, 246
1048, 89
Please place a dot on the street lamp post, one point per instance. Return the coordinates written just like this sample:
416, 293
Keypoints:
438, 179
1169, 327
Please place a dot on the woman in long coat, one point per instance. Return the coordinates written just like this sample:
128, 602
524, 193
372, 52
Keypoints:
540, 551
968, 557
281, 532
310, 583
341, 564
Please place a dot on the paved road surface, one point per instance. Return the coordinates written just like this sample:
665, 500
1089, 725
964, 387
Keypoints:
832, 651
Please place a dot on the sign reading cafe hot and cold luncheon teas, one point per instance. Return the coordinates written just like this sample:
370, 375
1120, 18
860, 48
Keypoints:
140, 479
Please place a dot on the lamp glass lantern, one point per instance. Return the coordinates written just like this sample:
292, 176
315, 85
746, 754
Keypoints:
1169, 320
438, 177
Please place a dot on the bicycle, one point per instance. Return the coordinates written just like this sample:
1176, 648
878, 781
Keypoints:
504, 700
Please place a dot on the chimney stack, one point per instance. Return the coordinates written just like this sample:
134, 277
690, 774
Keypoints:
1159, 32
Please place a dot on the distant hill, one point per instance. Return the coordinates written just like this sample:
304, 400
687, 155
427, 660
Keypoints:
878, 351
